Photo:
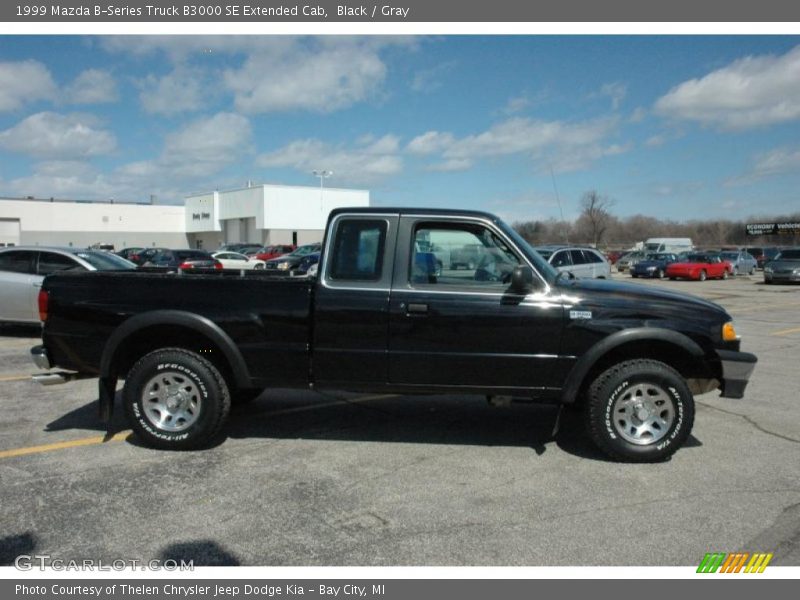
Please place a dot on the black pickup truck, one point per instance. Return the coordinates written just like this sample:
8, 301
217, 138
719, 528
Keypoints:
381, 318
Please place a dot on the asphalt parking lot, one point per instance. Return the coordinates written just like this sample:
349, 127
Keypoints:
303, 478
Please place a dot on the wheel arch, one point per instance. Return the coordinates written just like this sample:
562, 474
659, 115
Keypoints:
136, 337
671, 347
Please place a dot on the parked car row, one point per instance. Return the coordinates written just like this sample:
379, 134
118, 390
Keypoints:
785, 267
580, 262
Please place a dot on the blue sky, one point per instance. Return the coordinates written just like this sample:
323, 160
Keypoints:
676, 127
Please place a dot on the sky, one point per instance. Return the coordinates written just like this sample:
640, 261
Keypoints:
675, 127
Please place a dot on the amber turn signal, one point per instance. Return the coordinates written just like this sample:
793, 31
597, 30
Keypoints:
729, 333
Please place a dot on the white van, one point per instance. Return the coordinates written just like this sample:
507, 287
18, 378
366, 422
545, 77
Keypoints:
676, 245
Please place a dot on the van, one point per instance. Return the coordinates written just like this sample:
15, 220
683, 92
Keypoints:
676, 245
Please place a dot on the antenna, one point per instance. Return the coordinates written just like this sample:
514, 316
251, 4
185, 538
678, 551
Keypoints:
558, 199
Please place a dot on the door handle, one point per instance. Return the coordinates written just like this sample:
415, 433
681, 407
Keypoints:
417, 309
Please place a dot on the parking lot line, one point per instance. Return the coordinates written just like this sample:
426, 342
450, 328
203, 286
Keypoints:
90, 441
786, 331
15, 377
762, 307
122, 435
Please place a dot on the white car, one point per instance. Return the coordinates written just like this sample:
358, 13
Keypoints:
235, 260
583, 263
23, 268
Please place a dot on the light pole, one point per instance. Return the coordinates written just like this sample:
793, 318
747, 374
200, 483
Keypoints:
323, 175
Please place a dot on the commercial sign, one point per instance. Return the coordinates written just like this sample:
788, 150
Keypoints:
773, 228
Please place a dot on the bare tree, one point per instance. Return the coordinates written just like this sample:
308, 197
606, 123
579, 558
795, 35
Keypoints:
595, 215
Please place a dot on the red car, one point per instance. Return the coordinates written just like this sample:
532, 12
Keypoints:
274, 251
700, 267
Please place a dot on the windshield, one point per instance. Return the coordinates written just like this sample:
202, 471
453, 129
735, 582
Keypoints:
305, 250
698, 258
103, 261
542, 266
545, 254
652, 247
730, 255
789, 255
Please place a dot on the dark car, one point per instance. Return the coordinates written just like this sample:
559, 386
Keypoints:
128, 253
654, 265
288, 263
784, 268
185, 260
763, 255
308, 261
145, 255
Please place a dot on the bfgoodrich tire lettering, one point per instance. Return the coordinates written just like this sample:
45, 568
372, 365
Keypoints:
175, 399
639, 411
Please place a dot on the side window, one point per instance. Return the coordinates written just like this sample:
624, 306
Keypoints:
460, 254
17, 261
561, 259
577, 257
592, 257
357, 252
50, 262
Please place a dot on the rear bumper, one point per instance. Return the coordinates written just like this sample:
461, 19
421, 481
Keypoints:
41, 358
736, 370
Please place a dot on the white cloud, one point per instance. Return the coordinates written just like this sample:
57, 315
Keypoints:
322, 79
516, 105
558, 144
775, 162
429, 80
92, 86
24, 82
615, 91
366, 161
48, 135
751, 92
182, 90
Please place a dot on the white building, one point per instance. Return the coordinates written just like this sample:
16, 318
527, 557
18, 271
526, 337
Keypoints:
80, 224
263, 214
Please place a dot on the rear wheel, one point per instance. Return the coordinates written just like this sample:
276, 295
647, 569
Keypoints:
660, 274
639, 411
175, 399
703, 275
725, 274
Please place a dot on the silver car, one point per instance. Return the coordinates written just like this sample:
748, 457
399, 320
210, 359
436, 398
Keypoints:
742, 263
23, 268
583, 263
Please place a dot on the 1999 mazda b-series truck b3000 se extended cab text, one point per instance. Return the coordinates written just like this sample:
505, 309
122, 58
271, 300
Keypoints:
383, 316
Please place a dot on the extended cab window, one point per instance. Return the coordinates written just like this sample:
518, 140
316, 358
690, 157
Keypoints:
460, 254
357, 252
17, 261
50, 262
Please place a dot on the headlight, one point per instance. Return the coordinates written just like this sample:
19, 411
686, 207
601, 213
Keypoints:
651, 268
796, 271
767, 269
284, 266
729, 333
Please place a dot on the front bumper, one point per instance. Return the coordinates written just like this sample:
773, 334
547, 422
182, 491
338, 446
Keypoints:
778, 276
736, 370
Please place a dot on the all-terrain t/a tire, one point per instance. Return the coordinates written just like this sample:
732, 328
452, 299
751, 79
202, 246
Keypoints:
175, 399
639, 411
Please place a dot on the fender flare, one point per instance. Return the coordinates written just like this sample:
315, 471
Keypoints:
197, 323
584, 364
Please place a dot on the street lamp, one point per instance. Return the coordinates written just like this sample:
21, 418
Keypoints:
323, 175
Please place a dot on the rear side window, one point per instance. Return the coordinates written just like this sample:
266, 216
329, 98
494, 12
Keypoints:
17, 261
592, 257
577, 257
561, 259
357, 252
50, 262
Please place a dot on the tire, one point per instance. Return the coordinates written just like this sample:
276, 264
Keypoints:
634, 275
659, 274
438, 271
673, 278
258, 267
724, 274
667, 408
703, 275
752, 272
195, 411
471, 265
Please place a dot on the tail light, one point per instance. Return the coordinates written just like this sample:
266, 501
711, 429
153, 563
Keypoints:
217, 265
43, 300
185, 265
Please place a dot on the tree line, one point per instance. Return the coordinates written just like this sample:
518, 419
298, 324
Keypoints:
598, 226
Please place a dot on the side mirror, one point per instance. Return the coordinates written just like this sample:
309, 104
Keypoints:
522, 279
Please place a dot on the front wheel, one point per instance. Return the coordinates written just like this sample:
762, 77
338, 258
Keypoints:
639, 411
702, 276
725, 274
659, 274
175, 399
